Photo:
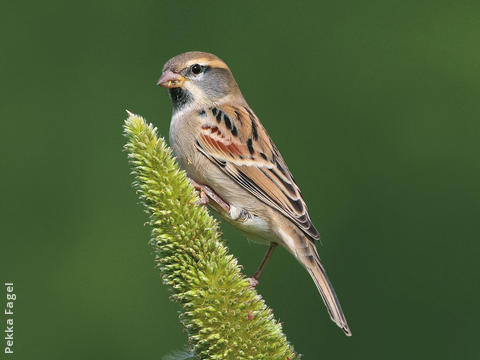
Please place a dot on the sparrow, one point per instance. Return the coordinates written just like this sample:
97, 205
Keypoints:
237, 169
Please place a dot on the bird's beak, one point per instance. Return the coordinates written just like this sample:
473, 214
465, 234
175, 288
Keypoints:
169, 80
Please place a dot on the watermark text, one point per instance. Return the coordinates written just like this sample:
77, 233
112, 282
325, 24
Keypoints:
9, 306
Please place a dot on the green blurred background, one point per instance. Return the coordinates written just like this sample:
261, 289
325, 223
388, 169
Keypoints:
374, 106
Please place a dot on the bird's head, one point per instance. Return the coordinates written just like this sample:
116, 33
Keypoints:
198, 77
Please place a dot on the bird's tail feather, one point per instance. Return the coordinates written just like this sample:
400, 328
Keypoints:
319, 276
306, 252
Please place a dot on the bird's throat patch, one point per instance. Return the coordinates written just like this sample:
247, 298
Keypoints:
180, 97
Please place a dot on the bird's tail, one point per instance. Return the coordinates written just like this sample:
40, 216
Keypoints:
319, 276
306, 252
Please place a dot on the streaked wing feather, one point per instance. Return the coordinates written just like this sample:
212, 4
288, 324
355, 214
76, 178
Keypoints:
233, 138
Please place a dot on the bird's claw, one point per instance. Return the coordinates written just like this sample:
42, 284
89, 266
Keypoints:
203, 198
206, 194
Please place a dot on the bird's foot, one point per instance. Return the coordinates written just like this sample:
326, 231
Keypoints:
205, 193
254, 279
239, 214
253, 282
202, 195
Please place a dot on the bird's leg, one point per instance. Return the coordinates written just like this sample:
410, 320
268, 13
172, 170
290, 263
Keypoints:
216, 198
254, 279
206, 193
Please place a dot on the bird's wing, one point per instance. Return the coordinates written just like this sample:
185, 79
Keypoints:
233, 139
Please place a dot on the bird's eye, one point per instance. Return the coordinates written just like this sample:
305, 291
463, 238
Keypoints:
196, 69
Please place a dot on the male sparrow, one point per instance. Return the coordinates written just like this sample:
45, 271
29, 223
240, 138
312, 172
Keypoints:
236, 167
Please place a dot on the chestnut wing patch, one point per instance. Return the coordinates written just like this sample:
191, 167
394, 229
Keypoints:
233, 138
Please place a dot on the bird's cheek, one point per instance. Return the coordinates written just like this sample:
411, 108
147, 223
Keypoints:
194, 89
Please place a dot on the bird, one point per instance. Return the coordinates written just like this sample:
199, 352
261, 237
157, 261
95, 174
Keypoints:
236, 168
